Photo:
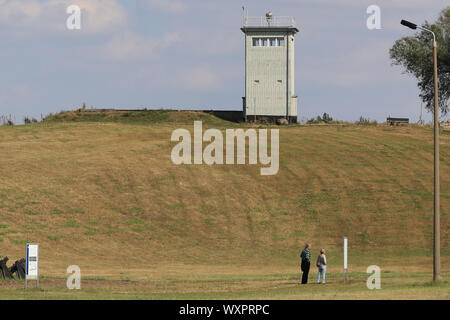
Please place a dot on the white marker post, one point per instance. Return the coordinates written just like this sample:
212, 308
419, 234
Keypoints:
345, 259
32, 264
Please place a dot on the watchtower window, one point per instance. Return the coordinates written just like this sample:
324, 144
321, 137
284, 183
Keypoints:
268, 42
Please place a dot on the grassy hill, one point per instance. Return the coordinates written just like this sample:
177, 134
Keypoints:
106, 196
132, 116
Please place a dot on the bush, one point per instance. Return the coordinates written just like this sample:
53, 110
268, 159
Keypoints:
326, 118
366, 122
6, 121
27, 120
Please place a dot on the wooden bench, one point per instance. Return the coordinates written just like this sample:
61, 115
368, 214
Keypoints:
393, 121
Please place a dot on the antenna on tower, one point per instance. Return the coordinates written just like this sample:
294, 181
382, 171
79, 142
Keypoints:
269, 17
244, 15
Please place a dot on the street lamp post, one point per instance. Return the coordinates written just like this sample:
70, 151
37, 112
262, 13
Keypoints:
436, 228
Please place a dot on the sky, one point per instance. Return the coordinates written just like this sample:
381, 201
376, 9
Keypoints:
189, 54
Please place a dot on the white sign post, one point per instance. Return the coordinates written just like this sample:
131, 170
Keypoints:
345, 259
32, 264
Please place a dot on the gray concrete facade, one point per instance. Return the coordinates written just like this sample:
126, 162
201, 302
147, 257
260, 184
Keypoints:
269, 72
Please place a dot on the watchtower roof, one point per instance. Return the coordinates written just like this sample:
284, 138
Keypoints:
274, 23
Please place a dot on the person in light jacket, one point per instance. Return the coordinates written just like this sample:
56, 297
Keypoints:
322, 265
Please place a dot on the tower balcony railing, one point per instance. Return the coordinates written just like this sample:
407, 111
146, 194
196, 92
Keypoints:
272, 22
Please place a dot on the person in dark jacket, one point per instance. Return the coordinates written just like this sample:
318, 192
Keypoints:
306, 262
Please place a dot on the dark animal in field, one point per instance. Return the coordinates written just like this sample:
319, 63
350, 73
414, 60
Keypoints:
17, 268
4, 270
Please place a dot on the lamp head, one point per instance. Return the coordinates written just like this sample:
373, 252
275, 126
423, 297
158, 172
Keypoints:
409, 24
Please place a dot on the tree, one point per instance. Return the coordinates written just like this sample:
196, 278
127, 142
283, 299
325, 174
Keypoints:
415, 54
326, 118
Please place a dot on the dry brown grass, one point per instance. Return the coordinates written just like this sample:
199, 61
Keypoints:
106, 197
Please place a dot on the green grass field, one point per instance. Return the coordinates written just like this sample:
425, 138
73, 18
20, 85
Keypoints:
394, 285
104, 195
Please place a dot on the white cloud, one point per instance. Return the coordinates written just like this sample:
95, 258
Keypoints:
130, 46
97, 15
19, 12
409, 4
170, 6
101, 15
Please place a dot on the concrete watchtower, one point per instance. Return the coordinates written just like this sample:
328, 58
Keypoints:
269, 68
